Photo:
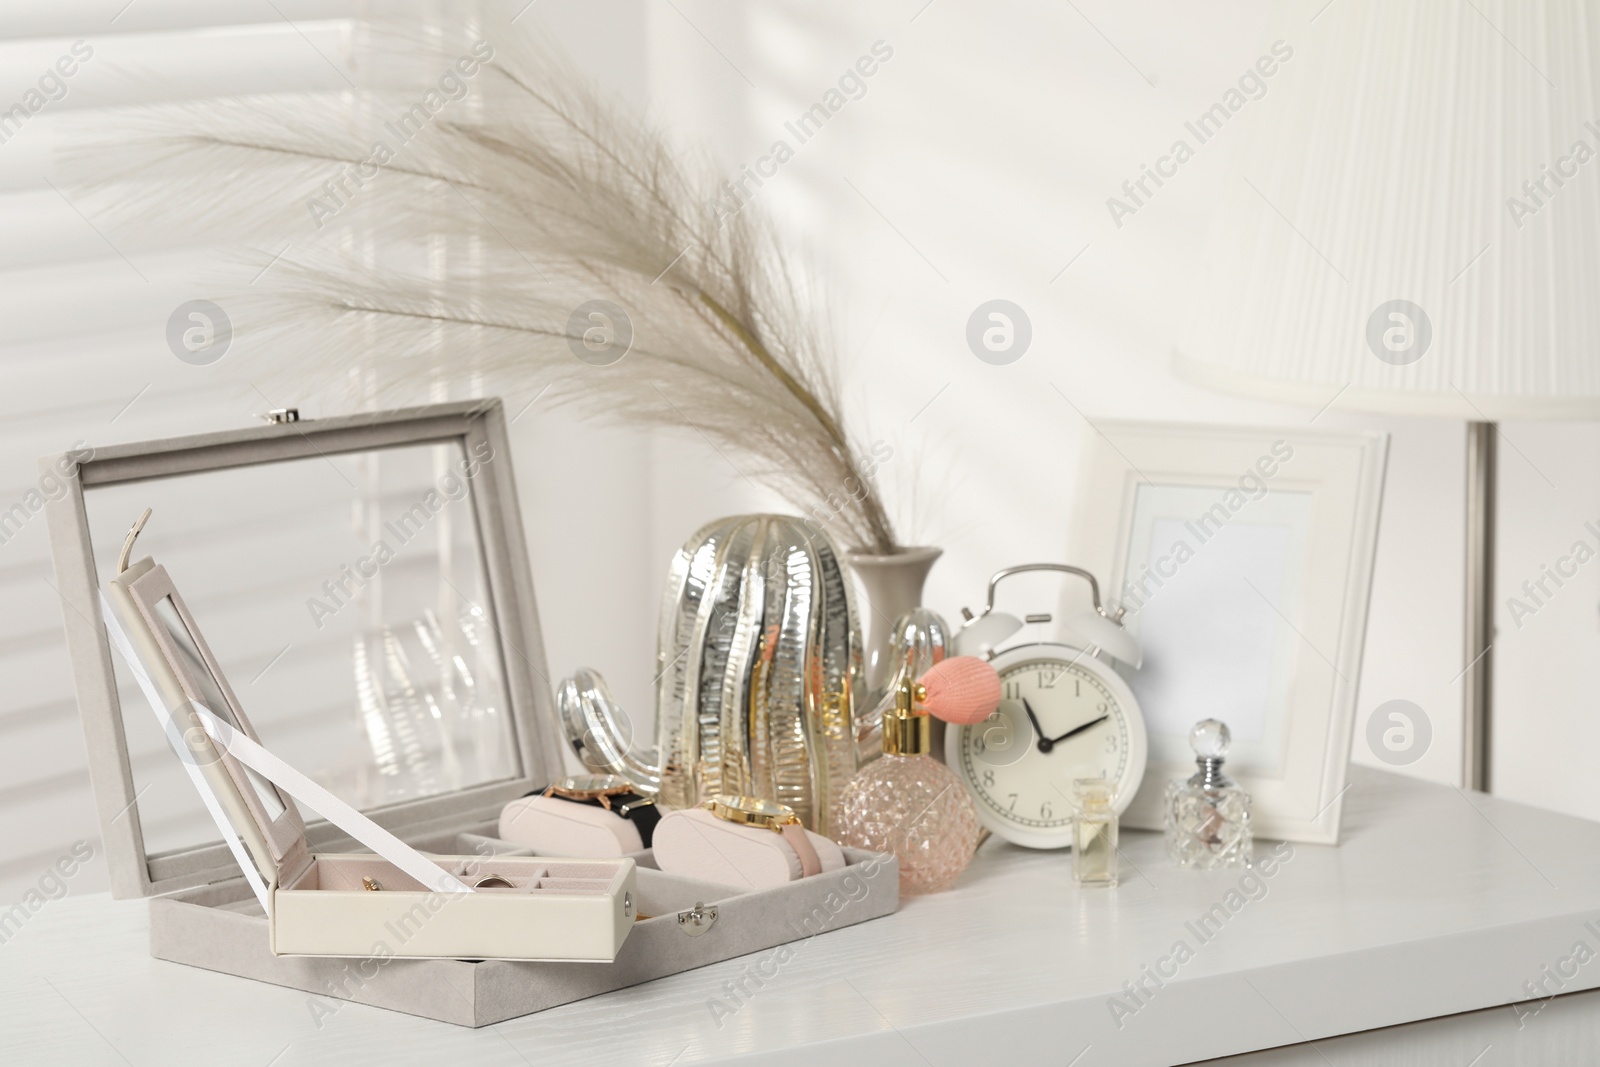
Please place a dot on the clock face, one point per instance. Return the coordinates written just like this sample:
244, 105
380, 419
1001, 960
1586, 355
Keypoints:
1062, 716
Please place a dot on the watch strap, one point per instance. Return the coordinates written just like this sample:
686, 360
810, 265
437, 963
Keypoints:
641, 811
810, 862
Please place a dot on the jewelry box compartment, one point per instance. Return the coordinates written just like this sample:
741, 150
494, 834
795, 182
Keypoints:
580, 910
679, 925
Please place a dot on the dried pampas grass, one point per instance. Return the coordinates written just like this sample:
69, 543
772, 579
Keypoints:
548, 197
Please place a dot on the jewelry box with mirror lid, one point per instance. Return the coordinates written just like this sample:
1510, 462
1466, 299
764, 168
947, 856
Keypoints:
365, 586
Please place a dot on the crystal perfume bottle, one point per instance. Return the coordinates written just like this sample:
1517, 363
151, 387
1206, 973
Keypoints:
1094, 834
905, 801
1208, 815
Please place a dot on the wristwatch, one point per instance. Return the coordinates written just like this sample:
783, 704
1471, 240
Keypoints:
768, 815
613, 793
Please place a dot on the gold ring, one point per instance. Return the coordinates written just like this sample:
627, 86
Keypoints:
371, 885
493, 881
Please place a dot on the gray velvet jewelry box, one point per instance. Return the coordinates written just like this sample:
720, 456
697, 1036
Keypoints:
464, 524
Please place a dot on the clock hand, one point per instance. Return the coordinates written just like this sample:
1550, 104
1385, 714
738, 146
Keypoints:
1079, 730
1044, 742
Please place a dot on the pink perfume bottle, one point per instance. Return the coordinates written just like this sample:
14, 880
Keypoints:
908, 803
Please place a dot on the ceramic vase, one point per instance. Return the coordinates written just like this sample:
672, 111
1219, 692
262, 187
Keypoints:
891, 586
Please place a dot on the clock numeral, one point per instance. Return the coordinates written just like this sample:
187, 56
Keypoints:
1045, 811
988, 777
997, 736
1111, 742
1077, 687
978, 746
1101, 707
1013, 691
1013, 797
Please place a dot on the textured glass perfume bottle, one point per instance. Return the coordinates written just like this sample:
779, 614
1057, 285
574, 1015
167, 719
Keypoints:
908, 803
1207, 815
1094, 834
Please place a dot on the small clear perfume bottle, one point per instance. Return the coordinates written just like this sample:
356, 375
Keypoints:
1208, 815
1094, 834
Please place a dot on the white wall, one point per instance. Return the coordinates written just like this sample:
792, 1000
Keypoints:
983, 152
83, 356
976, 166
1547, 671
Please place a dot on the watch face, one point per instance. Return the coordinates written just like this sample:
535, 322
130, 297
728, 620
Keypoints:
593, 785
1061, 718
749, 809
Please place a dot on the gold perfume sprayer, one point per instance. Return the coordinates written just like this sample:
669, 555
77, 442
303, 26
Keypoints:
907, 730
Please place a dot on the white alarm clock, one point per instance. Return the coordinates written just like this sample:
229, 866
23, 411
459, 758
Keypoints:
1064, 714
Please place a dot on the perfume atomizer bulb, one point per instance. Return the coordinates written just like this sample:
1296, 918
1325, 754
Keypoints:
961, 689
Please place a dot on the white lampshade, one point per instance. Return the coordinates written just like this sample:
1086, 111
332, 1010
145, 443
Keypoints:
1387, 161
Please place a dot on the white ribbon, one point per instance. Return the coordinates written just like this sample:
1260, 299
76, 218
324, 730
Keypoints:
330, 807
242, 748
157, 707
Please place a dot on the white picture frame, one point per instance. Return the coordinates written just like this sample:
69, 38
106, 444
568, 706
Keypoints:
1243, 557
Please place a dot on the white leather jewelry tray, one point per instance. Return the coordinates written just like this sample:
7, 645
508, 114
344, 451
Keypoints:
553, 910
203, 912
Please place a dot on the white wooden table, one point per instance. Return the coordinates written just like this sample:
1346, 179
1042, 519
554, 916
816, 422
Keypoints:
1437, 904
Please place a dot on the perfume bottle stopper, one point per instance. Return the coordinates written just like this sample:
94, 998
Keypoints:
1210, 739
